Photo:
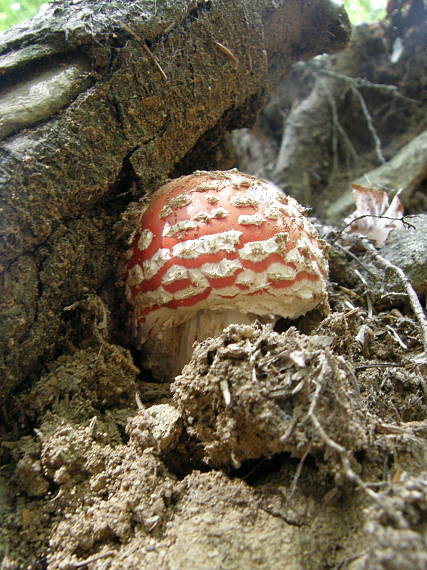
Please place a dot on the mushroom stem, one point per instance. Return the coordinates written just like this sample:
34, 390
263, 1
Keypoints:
168, 352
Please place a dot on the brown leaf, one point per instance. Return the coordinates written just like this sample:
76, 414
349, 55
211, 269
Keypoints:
375, 216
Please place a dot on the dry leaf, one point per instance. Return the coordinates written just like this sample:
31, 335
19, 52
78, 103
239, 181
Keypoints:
379, 215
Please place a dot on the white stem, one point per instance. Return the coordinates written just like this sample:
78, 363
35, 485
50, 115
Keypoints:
169, 351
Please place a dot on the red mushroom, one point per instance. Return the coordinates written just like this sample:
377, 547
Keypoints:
216, 248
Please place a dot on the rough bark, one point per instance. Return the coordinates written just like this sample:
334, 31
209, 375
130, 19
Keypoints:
101, 102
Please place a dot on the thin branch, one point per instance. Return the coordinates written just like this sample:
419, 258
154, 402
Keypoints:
350, 254
413, 299
88, 561
379, 365
340, 450
336, 126
144, 46
224, 49
403, 219
370, 125
298, 473
355, 82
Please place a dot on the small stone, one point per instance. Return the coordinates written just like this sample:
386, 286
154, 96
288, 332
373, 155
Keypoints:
159, 426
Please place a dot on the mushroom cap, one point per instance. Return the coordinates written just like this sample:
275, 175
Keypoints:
222, 240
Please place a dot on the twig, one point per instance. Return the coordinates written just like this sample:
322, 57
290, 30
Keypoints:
333, 445
138, 401
350, 254
355, 82
144, 46
289, 430
370, 125
224, 49
369, 305
379, 365
396, 337
413, 299
336, 126
393, 294
403, 219
298, 473
92, 559
360, 276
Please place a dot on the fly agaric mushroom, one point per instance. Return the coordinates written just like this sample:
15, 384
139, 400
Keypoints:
216, 248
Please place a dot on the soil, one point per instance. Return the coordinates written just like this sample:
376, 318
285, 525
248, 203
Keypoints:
300, 447
312, 455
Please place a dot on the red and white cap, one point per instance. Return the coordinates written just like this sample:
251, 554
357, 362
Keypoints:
215, 245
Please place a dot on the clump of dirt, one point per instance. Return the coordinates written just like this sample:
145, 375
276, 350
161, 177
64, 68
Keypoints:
157, 427
252, 393
397, 527
77, 472
79, 385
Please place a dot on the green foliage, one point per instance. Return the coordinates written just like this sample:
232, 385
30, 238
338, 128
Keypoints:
14, 11
365, 10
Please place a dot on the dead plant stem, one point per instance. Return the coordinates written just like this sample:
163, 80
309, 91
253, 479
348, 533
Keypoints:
413, 299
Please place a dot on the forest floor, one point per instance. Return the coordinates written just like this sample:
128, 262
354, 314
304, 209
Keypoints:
110, 481
319, 460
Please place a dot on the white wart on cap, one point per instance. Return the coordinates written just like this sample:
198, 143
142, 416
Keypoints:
216, 248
